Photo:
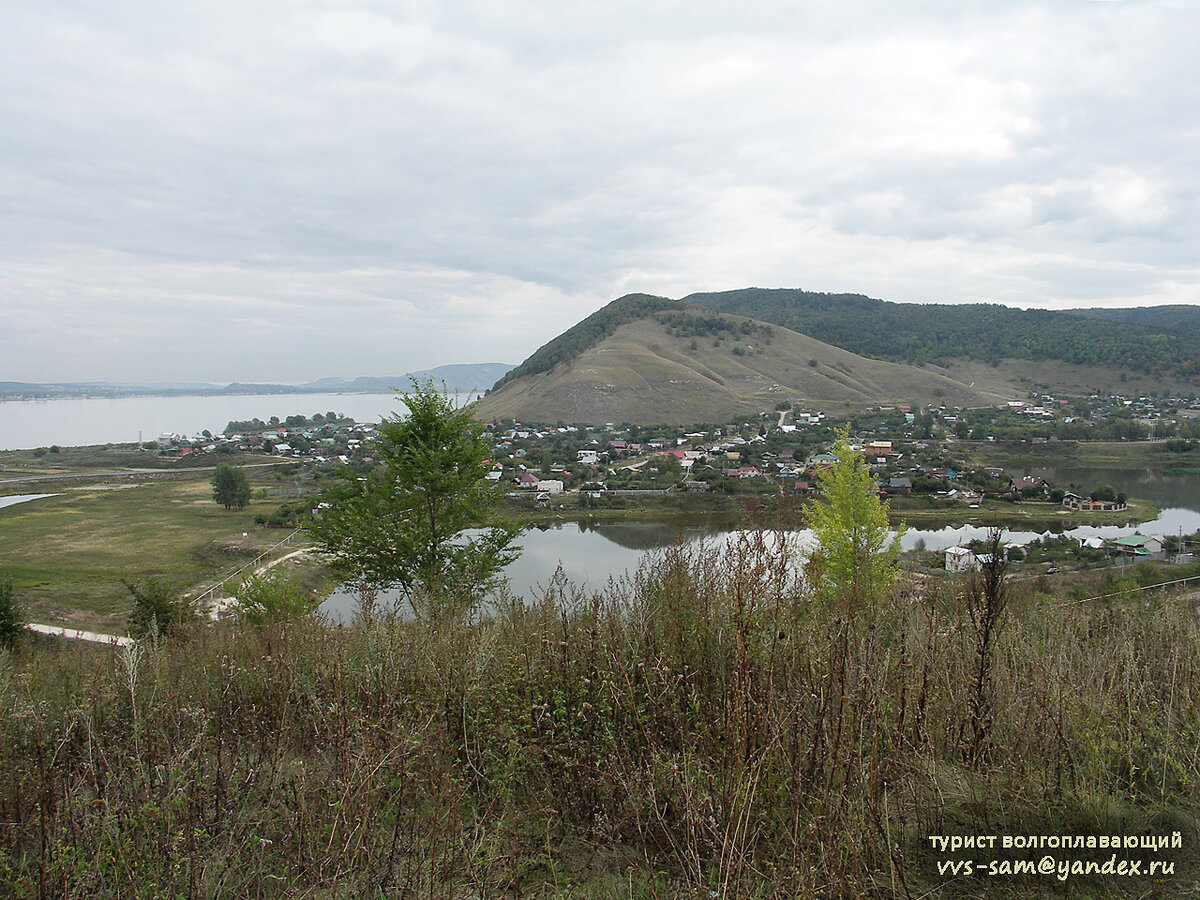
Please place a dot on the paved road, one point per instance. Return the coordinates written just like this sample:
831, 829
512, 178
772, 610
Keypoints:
132, 473
75, 634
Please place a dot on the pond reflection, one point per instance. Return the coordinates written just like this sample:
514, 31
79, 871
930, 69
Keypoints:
589, 554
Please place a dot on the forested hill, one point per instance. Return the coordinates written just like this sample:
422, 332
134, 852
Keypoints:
1177, 319
1148, 340
588, 333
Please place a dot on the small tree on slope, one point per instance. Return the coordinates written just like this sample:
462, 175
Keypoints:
855, 562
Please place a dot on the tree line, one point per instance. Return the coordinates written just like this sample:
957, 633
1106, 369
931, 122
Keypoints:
918, 333
293, 422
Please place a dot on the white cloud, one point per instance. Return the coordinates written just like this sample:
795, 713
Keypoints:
460, 181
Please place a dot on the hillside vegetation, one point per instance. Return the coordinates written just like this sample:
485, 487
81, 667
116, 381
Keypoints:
587, 334
1157, 341
1176, 319
668, 364
703, 730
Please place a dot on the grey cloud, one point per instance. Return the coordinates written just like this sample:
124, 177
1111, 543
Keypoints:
390, 165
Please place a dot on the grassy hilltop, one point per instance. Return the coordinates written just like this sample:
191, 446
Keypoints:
671, 364
711, 357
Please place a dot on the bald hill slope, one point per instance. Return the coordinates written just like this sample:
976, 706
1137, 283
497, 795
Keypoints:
656, 361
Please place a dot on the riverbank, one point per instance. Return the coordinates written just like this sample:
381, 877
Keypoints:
107, 463
124, 514
1024, 516
737, 509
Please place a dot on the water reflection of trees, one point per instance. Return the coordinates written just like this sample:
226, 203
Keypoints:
646, 535
1154, 485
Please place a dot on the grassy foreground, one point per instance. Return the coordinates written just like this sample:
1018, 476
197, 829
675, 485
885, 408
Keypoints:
700, 730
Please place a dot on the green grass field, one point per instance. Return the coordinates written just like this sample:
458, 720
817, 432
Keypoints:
68, 554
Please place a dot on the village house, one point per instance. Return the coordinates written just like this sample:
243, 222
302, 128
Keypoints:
1086, 504
963, 559
744, 472
1140, 546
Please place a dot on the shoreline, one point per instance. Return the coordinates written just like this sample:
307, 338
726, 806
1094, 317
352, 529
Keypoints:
731, 510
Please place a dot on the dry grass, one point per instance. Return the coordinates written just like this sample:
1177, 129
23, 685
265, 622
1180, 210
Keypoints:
699, 730
643, 374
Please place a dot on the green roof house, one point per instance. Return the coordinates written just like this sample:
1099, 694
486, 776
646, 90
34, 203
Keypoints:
1137, 545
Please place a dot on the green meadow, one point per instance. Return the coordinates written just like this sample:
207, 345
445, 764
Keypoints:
69, 554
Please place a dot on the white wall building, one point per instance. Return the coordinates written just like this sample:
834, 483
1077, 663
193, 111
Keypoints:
960, 559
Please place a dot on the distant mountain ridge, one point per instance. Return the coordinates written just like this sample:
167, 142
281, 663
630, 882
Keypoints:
462, 378
466, 377
1153, 340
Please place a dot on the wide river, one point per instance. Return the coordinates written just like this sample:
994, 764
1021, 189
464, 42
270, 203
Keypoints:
79, 421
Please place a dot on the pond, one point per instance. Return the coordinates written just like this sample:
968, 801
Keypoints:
1163, 489
14, 499
590, 554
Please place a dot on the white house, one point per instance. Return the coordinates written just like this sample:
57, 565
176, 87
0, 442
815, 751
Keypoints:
550, 487
960, 559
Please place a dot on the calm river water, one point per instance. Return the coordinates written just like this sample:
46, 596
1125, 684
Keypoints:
80, 421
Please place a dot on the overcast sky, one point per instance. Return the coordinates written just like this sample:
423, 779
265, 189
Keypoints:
254, 190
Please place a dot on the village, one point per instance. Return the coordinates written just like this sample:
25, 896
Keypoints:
919, 457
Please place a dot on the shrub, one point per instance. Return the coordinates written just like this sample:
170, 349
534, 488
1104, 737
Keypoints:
270, 598
159, 609
12, 622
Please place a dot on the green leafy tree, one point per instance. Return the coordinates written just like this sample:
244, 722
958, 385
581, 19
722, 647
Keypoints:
12, 621
158, 608
856, 558
231, 486
669, 463
269, 598
424, 519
